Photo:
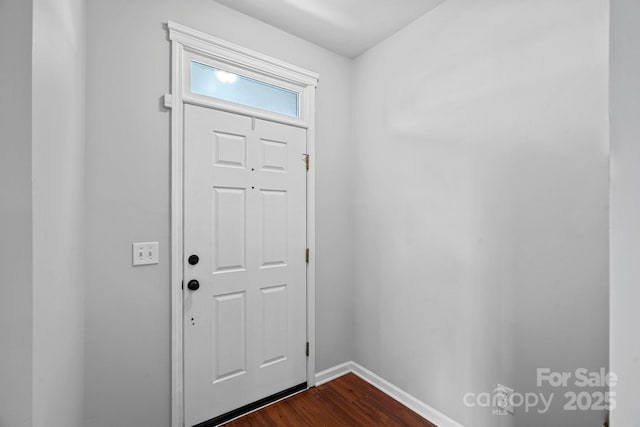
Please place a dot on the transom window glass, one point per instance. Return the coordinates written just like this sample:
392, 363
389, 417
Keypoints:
216, 83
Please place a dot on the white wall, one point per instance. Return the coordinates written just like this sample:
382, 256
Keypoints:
15, 214
625, 210
481, 202
127, 198
58, 211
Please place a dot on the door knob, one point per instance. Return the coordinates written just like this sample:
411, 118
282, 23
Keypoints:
193, 259
193, 285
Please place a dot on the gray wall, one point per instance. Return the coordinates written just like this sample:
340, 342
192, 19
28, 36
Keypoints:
481, 202
58, 206
15, 212
127, 198
471, 266
41, 304
625, 210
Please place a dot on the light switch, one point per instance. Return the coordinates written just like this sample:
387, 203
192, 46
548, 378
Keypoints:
145, 253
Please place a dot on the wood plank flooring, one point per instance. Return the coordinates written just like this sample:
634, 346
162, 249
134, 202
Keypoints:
345, 401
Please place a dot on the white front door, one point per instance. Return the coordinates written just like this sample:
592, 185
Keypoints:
245, 221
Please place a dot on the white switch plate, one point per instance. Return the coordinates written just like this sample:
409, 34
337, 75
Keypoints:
145, 253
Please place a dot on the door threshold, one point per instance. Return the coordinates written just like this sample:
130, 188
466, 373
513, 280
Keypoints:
236, 413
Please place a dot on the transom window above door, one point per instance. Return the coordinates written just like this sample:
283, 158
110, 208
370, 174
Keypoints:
225, 85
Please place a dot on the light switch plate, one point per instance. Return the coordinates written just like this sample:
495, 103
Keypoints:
145, 253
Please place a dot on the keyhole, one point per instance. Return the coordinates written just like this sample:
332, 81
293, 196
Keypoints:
193, 321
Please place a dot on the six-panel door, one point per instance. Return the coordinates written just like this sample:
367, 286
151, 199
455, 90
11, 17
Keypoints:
245, 219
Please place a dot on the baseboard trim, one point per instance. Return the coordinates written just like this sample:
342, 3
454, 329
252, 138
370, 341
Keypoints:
333, 373
411, 402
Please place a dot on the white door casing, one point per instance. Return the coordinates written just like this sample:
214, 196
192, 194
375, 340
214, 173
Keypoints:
245, 218
188, 44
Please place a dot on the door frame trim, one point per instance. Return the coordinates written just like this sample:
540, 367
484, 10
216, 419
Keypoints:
184, 39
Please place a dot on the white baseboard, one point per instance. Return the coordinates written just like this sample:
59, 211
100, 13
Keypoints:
419, 407
333, 373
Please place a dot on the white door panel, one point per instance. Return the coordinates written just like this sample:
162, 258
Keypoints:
245, 218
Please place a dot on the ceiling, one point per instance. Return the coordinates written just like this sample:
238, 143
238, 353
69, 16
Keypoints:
347, 27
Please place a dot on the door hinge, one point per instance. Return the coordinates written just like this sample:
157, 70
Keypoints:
183, 285
306, 256
306, 160
307, 349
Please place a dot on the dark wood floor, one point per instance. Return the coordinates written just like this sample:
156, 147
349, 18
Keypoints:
345, 401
